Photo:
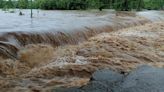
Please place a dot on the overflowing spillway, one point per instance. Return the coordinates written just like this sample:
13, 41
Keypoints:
51, 52
63, 27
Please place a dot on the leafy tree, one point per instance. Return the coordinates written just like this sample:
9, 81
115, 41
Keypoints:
10, 4
154, 4
23, 4
121, 5
140, 5
1, 3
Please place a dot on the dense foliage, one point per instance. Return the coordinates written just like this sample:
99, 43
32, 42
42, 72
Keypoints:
154, 4
23, 4
66, 4
124, 5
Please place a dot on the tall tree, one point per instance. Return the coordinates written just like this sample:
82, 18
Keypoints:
1, 3
10, 4
161, 3
140, 4
23, 4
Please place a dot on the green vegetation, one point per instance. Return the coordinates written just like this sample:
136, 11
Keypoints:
23, 4
123, 5
154, 4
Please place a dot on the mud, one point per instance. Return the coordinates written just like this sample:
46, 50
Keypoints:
43, 67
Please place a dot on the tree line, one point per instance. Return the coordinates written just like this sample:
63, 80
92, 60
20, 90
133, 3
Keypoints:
124, 5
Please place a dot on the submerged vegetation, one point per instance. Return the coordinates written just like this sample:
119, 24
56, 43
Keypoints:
124, 5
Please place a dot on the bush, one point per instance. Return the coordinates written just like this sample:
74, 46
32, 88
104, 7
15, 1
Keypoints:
60, 4
85, 4
154, 4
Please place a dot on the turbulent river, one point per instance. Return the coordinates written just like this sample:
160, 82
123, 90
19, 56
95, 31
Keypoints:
63, 48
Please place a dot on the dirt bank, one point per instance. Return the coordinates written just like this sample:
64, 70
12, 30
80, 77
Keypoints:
43, 67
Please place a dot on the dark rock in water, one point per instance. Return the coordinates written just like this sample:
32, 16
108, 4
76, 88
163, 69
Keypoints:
107, 75
108, 78
143, 79
73, 89
96, 86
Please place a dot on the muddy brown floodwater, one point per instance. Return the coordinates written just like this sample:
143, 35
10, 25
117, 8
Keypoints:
59, 28
41, 67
